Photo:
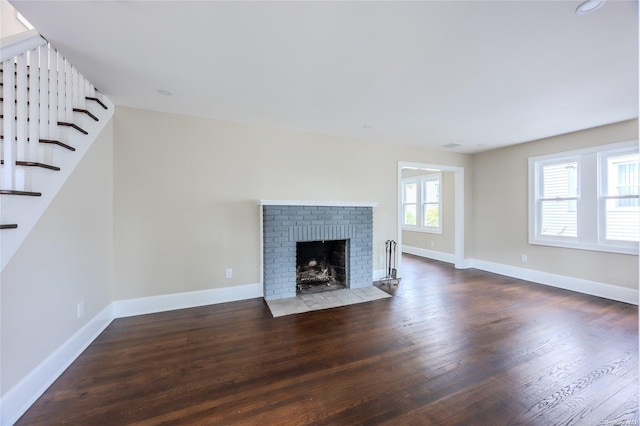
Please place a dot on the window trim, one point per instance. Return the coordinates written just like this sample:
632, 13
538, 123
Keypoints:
420, 202
589, 201
603, 196
405, 182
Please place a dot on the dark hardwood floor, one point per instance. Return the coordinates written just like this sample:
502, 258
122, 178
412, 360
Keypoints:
452, 347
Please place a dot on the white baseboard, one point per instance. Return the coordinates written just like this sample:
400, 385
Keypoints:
170, 302
430, 254
18, 400
593, 288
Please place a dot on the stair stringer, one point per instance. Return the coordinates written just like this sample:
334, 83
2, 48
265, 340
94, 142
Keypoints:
27, 211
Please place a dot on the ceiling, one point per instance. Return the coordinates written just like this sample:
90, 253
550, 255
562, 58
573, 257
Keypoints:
481, 74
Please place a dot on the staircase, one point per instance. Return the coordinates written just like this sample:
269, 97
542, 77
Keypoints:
50, 116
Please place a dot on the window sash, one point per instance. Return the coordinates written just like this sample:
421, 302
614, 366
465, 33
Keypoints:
618, 210
557, 214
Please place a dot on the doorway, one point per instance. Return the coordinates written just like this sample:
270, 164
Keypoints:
459, 231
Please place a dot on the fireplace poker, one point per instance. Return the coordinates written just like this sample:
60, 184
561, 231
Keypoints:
390, 267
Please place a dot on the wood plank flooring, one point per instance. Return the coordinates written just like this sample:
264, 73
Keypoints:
452, 347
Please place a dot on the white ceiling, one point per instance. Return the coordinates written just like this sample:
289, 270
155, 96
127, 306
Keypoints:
482, 74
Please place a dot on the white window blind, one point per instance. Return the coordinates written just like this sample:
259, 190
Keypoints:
558, 204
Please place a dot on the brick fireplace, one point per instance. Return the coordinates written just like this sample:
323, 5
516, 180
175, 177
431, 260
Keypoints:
284, 224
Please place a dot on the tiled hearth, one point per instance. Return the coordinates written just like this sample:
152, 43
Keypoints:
286, 223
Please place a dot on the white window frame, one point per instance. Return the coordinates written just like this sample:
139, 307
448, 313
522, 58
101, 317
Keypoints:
406, 182
420, 225
590, 200
603, 196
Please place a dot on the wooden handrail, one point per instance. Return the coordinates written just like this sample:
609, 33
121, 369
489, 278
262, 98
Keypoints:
35, 164
9, 226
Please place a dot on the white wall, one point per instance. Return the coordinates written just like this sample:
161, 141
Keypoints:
186, 192
67, 258
500, 220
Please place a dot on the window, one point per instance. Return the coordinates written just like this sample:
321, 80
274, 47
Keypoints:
586, 199
619, 208
559, 196
422, 203
409, 202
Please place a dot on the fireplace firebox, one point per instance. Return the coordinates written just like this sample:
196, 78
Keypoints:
321, 266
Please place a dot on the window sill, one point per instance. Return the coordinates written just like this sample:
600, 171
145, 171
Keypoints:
423, 230
581, 246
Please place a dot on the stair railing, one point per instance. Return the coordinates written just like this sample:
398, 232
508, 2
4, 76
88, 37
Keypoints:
44, 119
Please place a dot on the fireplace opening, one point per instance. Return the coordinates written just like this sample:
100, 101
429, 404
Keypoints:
321, 266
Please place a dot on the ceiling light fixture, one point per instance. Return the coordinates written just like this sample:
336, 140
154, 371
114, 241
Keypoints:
590, 6
164, 92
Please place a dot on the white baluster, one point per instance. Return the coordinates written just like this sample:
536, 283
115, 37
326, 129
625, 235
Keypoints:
68, 90
8, 110
61, 91
21, 107
21, 115
45, 75
82, 84
34, 110
43, 53
53, 93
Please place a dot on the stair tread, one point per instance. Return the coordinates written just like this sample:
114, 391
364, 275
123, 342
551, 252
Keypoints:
92, 98
50, 141
73, 125
35, 164
15, 192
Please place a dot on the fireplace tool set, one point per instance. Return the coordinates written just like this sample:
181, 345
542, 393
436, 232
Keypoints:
390, 264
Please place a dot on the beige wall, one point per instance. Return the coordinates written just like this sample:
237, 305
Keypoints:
67, 258
164, 203
9, 24
186, 191
444, 242
500, 221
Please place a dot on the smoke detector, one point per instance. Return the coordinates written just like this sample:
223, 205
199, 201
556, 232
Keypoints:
590, 6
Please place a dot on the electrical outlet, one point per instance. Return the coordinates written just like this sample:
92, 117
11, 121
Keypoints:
80, 309
228, 273
433, 244
524, 258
